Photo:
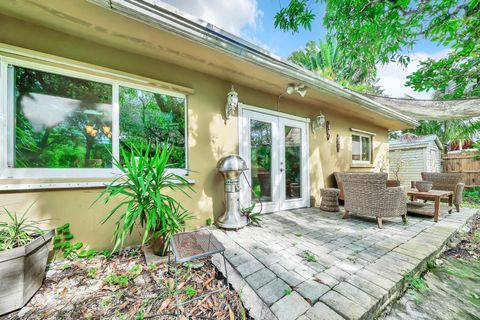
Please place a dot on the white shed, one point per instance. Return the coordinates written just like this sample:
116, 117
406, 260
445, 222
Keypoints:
410, 155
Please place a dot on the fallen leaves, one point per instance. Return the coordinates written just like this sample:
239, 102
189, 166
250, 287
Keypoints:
150, 291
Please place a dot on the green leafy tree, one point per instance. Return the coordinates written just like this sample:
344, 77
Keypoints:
327, 59
380, 31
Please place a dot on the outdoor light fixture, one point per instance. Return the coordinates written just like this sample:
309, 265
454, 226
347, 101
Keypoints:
232, 103
299, 88
318, 123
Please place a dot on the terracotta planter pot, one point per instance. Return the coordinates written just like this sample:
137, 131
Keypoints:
157, 245
22, 271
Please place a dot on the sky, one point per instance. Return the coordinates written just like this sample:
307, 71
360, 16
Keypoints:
253, 20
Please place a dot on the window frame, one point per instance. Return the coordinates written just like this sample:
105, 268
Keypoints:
370, 150
7, 122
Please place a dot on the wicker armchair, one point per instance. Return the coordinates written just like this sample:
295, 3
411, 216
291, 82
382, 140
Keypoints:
447, 181
338, 179
367, 194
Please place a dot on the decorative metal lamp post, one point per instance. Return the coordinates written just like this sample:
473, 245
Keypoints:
231, 167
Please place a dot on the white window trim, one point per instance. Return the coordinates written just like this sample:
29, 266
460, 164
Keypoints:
370, 138
6, 120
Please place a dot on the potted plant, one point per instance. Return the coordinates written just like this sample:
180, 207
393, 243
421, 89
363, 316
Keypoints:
23, 259
144, 190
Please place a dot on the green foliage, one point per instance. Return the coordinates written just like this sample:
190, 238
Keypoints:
190, 292
254, 218
118, 280
373, 32
472, 195
287, 291
92, 272
448, 131
62, 244
209, 222
66, 266
416, 284
144, 188
296, 15
135, 271
106, 302
141, 314
18, 231
152, 266
310, 256
328, 60
461, 269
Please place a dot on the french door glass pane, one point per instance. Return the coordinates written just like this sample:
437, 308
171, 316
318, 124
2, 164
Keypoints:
293, 162
61, 121
261, 159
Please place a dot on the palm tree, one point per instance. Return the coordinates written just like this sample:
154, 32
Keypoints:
326, 59
449, 131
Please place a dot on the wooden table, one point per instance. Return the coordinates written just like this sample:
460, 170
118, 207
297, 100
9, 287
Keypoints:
435, 195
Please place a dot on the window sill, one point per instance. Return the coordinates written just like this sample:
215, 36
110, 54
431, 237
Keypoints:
362, 165
13, 187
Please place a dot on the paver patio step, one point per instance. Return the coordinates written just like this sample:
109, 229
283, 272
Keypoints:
358, 271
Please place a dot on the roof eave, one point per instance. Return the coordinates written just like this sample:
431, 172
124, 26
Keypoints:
163, 16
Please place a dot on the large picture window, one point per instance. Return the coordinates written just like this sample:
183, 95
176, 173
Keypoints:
148, 118
60, 122
56, 120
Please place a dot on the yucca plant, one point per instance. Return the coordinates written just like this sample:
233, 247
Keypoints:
142, 190
18, 231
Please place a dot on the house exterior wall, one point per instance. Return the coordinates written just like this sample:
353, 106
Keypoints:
210, 137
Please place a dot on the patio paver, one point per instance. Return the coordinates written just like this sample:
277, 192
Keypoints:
358, 270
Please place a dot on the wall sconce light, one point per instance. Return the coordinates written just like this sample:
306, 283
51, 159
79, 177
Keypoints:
318, 123
338, 143
232, 103
298, 88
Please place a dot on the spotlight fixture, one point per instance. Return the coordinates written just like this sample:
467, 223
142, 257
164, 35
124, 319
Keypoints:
301, 89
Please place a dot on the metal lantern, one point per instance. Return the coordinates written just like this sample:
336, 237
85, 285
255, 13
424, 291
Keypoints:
231, 167
232, 103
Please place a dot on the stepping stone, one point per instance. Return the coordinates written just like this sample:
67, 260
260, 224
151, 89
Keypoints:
342, 305
320, 311
272, 291
260, 278
312, 290
290, 307
249, 267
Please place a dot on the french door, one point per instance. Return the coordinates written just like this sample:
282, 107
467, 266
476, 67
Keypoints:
276, 151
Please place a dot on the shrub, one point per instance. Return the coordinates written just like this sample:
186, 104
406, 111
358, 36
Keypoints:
142, 186
18, 231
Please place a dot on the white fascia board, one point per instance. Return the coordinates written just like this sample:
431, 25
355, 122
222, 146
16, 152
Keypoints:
166, 17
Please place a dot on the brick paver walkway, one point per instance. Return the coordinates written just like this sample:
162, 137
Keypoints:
309, 264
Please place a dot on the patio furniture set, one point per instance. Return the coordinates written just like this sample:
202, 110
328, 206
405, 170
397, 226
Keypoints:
372, 194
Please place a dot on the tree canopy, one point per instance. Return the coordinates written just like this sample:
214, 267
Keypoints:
380, 31
328, 60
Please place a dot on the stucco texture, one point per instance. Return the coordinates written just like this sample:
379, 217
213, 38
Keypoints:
210, 137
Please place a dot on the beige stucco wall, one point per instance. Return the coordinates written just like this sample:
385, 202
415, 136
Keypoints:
210, 137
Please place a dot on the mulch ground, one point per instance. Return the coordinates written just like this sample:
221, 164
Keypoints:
466, 245
124, 287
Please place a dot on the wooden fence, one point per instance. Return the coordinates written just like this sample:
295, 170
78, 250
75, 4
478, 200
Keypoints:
465, 163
